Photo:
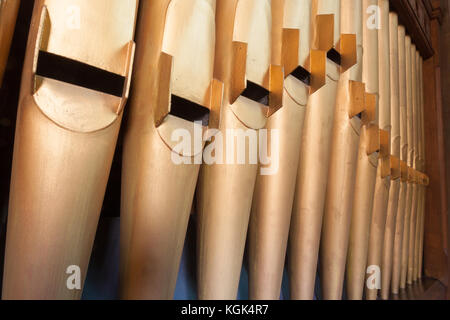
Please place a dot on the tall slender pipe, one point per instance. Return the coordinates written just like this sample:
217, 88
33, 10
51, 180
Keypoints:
426, 179
409, 193
399, 224
415, 196
159, 177
307, 213
273, 198
369, 147
383, 182
394, 192
225, 190
350, 106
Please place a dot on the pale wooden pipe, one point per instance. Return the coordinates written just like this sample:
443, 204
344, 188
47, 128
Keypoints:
224, 194
400, 220
418, 226
391, 219
367, 165
273, 197
406, 232
394, 193
350, 102
415, 196
378, 221
420, 167
399, 230
157, 193
426, 179
310, 190
409, 194
65, 141
412, 229
426, 183
362, 210
383, 181
8, 16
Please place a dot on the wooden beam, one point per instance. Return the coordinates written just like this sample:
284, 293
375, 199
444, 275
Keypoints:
435, 259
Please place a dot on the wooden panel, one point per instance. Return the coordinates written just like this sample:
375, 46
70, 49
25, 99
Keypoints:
444, 67
435, 259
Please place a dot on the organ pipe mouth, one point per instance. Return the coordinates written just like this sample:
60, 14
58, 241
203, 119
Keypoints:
395, 168
56, 67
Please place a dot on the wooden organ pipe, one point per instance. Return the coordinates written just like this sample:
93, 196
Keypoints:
394, 192
383, 180
310, 191
409, 193
273, 196
350, 106
399, 224
413, 218
369, 147
158, 178
225, 190
66, 133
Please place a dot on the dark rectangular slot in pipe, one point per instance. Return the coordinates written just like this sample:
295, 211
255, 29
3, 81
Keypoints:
302, 75
334, 56
71, 71
256, 93
188, 110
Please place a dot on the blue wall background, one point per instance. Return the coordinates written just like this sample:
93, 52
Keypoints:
103, 275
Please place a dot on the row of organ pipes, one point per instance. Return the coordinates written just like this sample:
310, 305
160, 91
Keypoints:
342, 85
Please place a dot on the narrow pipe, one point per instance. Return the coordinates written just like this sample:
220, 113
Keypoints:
409, 195
158, 179
273, 197
399, 225
394, 193
383, 182
366, 166
343, 157
312, 173
225, 190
